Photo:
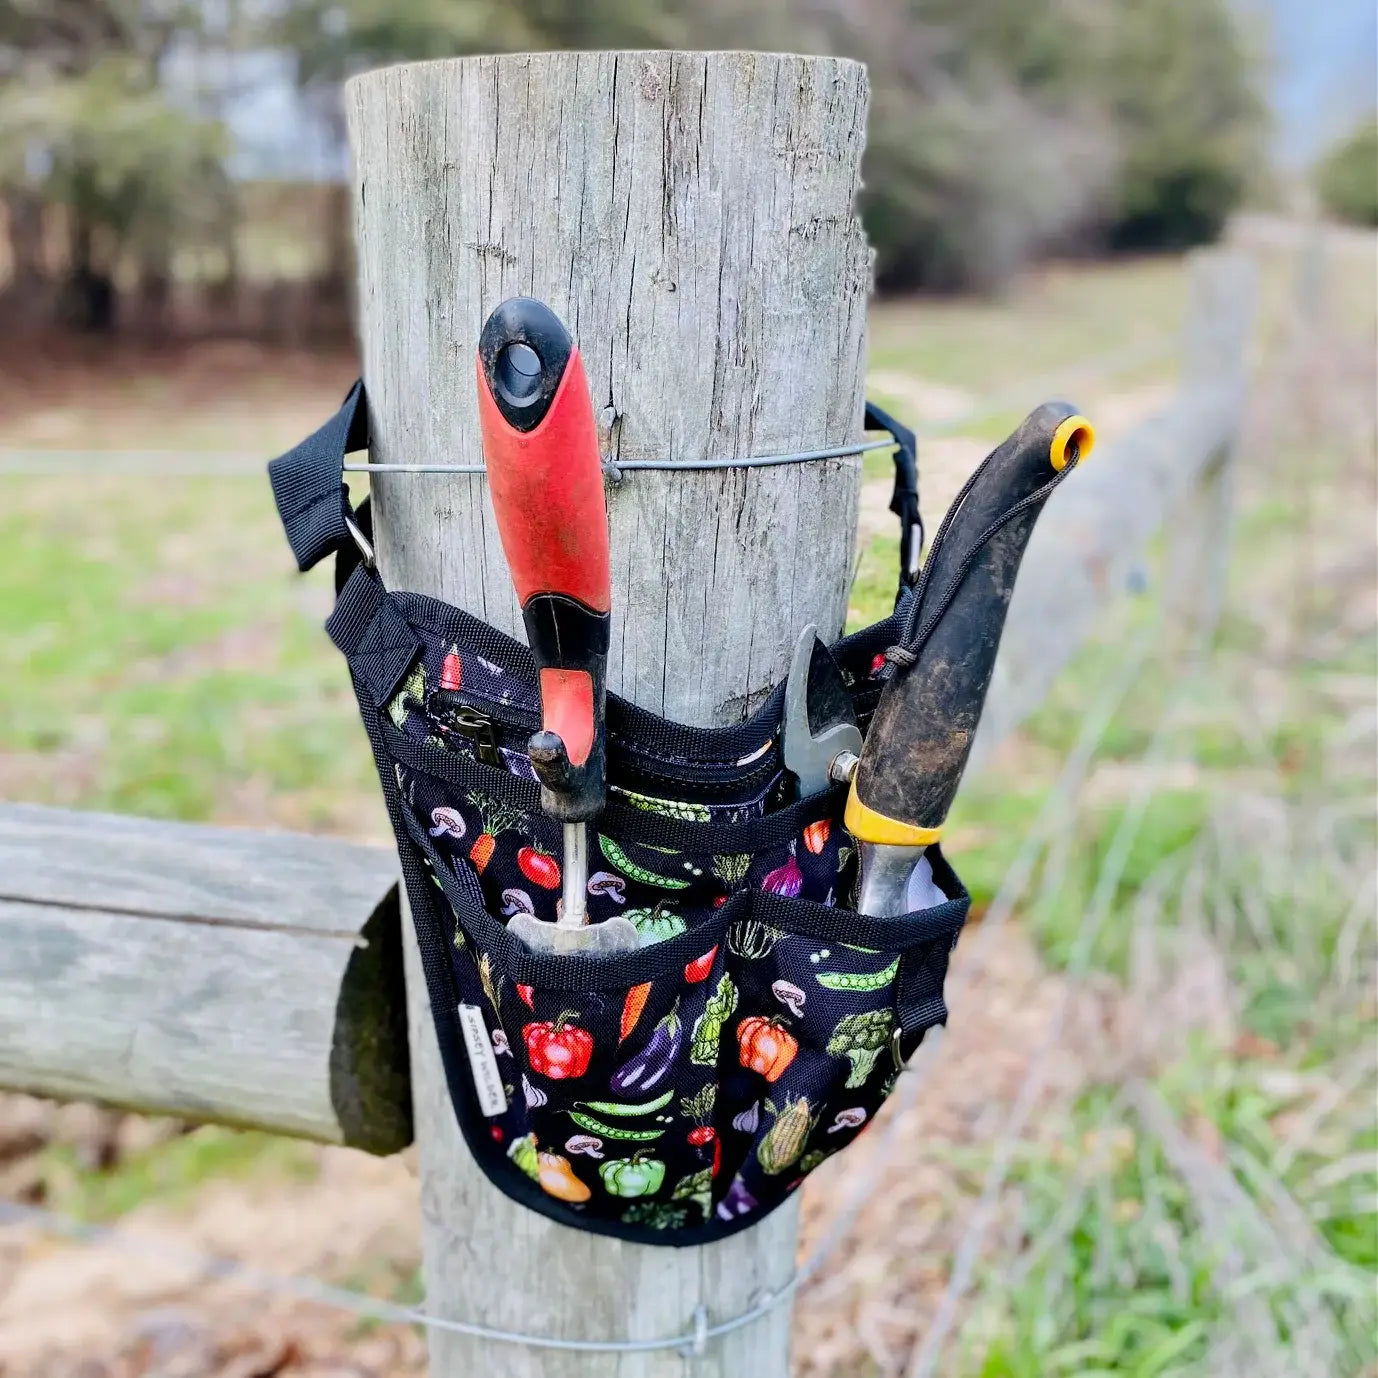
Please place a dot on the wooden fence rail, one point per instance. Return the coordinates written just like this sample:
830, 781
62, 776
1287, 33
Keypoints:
257, 979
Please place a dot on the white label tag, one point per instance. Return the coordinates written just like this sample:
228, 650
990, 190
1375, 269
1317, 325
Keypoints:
483, 1062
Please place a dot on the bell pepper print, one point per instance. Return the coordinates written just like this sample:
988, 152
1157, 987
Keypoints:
634, 1176
765, 1046
559, 1050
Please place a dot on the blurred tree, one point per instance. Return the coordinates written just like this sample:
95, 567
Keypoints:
1347, 178
1180, 86
85, 126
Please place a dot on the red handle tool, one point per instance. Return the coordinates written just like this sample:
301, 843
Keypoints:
540, 445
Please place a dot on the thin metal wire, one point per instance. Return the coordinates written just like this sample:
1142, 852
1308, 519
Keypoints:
615, 468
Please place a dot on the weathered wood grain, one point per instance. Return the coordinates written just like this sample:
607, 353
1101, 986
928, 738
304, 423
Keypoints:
691, 217
218, 974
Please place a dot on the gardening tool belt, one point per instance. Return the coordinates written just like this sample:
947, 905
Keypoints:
678, 1093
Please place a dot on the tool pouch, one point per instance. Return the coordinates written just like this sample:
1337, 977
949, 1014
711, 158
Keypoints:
678, 1093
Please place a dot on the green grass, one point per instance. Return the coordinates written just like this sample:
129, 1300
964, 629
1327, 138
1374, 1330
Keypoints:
169, 1172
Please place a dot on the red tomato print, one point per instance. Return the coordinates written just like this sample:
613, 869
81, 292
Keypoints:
539, 867
560, 1050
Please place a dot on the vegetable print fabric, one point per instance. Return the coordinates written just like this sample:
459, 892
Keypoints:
706, 1094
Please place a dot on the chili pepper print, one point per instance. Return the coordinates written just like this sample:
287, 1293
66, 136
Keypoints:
557, 1179
765, 1046
700, 968
703, 1045
652, 1064
451, 670
634, 1176
539, 867
527, 995
559, 1050
631, 1009
816, 836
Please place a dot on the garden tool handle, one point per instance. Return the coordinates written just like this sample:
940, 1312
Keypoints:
925, 723
545, 477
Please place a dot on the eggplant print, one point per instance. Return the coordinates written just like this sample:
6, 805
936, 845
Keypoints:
649, 1066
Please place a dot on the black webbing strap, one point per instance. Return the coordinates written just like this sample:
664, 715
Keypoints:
904, 500
373, 635
308, 482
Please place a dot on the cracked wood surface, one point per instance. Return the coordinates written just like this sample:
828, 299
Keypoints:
691, 217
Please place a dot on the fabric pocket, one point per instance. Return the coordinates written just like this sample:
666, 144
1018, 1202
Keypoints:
685, 1090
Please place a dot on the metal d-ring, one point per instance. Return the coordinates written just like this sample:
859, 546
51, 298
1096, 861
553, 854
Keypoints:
363, 542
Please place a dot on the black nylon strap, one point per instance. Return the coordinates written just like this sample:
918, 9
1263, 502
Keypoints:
374, 637
904, 500
308, 483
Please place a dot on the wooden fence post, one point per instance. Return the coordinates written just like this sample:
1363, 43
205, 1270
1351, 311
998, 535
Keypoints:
691, 217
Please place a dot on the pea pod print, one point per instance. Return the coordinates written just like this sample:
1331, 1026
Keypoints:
614, 1131
617, 857
858, 980
616, 1108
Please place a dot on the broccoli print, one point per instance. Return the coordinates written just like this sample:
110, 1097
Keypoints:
861, 1038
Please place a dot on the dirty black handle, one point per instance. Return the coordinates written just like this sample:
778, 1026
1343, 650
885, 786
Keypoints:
922, 732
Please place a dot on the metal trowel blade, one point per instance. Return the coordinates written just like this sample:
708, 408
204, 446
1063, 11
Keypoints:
603, 939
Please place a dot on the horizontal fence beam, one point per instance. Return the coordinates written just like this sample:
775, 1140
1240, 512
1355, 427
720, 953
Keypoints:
219, 974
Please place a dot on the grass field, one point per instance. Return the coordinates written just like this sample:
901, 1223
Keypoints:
1199, 1198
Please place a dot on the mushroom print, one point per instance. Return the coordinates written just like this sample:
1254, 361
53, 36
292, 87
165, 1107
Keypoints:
516, 902
446, 822
605, 883
590, 1144
790, 996
847, 1119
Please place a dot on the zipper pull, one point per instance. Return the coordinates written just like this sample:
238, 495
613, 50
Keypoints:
448, 711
